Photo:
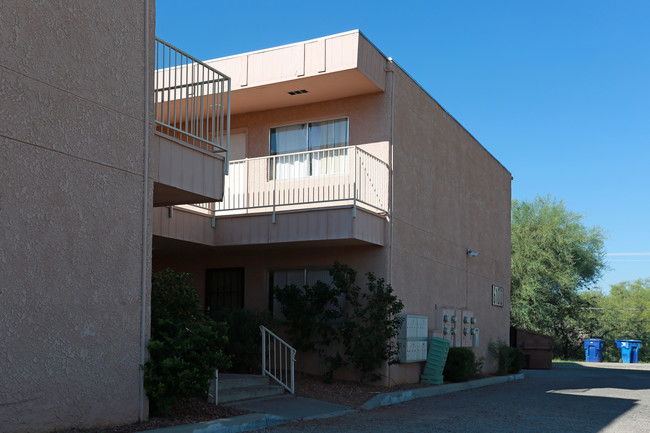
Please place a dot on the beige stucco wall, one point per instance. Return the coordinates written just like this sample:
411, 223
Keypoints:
367, 122
72, 136
449, 195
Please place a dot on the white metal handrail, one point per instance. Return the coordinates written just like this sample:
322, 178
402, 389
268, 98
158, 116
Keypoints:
344, 174
191, 99
278, 359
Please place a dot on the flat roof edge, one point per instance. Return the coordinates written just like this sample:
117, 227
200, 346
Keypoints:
293, 44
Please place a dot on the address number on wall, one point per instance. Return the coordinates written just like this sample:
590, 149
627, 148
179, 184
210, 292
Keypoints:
497, 296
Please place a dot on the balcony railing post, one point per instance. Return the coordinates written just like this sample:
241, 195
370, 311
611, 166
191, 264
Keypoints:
293, 361
263, 351
275, 176
354, 185
199, 91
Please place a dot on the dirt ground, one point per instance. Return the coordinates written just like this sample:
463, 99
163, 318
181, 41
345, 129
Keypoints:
346, 393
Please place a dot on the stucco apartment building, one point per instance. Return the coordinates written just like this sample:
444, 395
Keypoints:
83, 163
336, 153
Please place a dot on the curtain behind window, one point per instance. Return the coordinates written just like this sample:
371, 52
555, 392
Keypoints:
307, 137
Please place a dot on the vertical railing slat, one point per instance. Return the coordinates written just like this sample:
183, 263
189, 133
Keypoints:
278, 359
189, 99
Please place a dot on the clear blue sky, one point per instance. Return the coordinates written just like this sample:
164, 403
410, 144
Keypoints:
557, 90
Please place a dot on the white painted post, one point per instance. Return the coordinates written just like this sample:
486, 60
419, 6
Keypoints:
354, 185
263, 351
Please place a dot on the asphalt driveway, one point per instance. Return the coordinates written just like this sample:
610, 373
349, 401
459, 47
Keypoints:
572, 397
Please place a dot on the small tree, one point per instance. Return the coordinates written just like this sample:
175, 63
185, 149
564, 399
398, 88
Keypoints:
372, 323
366, 326
185, 347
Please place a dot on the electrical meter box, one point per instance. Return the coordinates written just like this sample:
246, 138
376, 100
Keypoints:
446, 324
412, 338
468, 323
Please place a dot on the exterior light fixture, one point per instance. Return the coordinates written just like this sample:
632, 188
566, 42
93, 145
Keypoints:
471, 253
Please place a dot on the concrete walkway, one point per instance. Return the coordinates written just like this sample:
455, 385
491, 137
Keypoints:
272, 411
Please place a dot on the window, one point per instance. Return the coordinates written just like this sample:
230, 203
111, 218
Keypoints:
286, 141
224, 289
299, 277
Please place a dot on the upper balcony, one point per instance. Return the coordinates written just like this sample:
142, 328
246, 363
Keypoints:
337, 194
192, 128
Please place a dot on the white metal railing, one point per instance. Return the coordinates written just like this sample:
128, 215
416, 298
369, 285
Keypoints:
345, 174
191, 99
278, 359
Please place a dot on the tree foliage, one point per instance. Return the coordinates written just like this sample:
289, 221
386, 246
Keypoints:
622, 314
364, 321
185, 347
554, 258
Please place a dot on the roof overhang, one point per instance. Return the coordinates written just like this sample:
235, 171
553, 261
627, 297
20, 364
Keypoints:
334, 67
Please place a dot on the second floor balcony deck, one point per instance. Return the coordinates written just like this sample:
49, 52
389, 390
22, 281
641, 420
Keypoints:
339, 193
192, 128
304, 180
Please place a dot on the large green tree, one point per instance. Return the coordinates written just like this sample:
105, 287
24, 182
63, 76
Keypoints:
554, 257
623, 313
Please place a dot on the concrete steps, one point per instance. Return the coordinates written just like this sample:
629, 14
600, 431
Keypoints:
236, 387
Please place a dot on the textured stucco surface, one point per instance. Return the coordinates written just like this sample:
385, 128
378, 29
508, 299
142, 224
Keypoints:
463, 203
71, 213
449, 194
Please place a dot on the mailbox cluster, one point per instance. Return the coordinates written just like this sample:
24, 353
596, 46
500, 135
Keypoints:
413, 338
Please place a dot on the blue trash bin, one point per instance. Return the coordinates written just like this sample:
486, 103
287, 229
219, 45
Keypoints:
629, 350
594, 349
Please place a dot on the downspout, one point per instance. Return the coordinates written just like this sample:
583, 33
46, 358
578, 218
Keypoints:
145, 216
390, 68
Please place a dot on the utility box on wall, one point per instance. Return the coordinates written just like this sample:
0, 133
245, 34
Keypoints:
446, 324
412, 338
456, 325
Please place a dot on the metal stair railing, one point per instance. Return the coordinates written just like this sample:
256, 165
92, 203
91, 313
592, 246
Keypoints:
278, 359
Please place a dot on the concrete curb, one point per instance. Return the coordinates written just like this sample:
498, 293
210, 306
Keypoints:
327, 415
237, 424
258, 421
411, 394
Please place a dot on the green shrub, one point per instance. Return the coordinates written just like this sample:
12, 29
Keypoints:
185, 347
460, 365
366, 326
371, 326
244, 338
510, 359
517, 359
312, 314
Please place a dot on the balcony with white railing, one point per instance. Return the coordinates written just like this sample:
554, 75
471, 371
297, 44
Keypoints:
337, 194
192, 128
304, 180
